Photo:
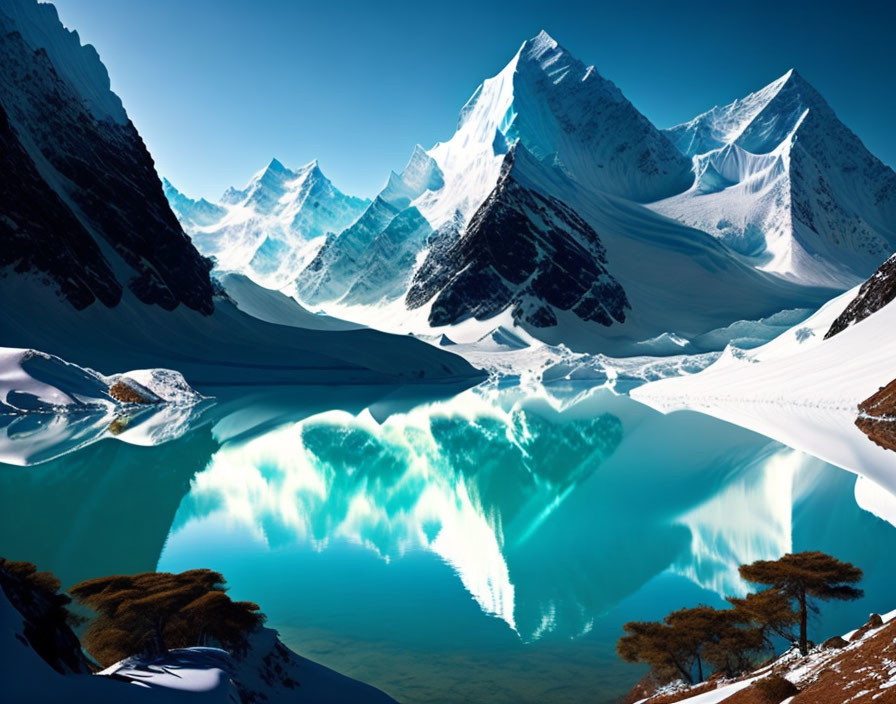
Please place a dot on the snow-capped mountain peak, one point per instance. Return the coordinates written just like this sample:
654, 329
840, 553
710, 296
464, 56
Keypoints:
782, 181
274, 225
565, 114
420, 174
724, 124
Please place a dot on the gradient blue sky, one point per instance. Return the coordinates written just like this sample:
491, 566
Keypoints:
219, 87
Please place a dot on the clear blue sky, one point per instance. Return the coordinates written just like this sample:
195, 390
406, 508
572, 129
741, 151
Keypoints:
218, 88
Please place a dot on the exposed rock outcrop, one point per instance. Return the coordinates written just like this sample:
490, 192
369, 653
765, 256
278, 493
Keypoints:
524, 252
873, 295
877, 417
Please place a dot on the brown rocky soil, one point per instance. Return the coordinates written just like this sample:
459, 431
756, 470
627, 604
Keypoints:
863, 672
878, 417
124, 393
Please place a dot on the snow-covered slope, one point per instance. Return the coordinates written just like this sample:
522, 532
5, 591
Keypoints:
267, 672
276, 307
271, 228
788, 186
83, 206
800, 388
228, 347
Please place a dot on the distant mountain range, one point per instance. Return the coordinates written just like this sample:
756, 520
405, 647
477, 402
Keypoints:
559, 209
273, 226
556, 213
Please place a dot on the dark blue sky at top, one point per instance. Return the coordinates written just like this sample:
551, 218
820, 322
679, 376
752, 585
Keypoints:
218, 88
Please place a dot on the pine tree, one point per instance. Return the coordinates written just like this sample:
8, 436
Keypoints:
770, 611
155, 611
660, 646
804, 576
688, 639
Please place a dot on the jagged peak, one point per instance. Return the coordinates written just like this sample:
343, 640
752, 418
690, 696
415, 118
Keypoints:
794, 81
544, 52
540, 43
277, 174
759, 121
276, 166
39, 26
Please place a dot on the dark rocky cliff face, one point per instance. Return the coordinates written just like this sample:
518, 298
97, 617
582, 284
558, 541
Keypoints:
521, 251
40, 233
80, 202
874, 294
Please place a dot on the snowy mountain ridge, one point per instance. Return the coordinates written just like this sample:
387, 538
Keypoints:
584, 147
755, 176
591, 161
787, 186
565, 114
273, 226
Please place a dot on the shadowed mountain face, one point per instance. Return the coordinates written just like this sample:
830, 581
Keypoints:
30, 229
522, 251
86, 208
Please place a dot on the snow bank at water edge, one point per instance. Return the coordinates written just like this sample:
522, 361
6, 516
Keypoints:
799, 389
35, 382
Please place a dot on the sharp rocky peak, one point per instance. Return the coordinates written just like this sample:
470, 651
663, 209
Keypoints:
543, 54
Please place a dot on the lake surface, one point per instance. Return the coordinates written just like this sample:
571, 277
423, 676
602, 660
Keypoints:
485, 546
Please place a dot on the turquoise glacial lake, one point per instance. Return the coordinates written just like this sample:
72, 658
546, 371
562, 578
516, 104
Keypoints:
485, 546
